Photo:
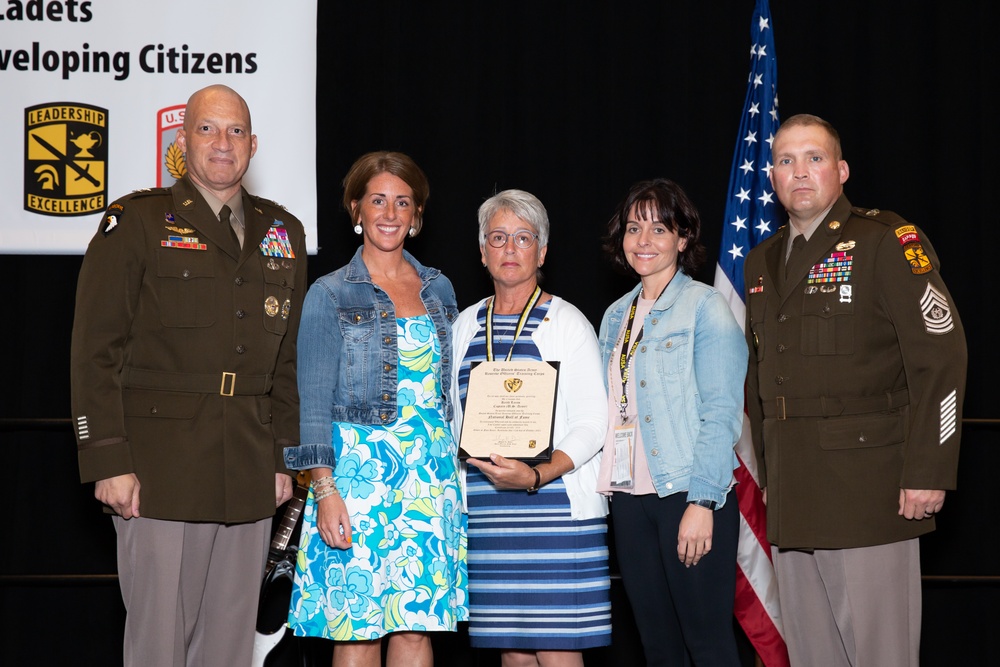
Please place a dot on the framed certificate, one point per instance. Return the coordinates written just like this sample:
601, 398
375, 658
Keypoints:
509, 410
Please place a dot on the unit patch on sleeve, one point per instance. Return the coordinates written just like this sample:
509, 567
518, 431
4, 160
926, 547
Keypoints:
111, 218
913, 249
937, 312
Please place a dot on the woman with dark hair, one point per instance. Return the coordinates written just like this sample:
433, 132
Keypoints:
383, 541
676, 360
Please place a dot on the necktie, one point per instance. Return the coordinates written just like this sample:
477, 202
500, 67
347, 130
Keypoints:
225, 217
796, 249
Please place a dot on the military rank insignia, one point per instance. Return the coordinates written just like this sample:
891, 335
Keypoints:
834, 269
936, 311
276, 243
913, 249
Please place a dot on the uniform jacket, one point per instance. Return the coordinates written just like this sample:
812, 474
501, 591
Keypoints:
856, 379
688, 370
183, 353
349, 357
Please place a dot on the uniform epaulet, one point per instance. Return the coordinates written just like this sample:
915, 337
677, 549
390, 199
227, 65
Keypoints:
885, 217
268, 202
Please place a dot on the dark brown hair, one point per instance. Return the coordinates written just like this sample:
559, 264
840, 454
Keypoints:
370, 165
673, 208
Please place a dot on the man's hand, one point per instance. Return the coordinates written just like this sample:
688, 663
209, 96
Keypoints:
920, 503
120, 493
282, 488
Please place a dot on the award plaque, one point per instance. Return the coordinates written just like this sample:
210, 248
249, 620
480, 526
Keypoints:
509, 410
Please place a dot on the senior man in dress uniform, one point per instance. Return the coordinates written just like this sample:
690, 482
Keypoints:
855, 388
183, 389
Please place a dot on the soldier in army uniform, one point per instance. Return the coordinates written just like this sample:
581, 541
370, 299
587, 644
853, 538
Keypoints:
854, 391
184, 392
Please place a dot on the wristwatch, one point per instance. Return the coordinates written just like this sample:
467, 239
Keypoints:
707, 504
538, 481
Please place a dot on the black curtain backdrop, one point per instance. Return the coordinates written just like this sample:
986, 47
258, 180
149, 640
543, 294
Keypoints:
573, 101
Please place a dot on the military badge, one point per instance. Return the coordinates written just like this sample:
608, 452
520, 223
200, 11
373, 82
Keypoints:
913, 249
65, 159
846, 293
759, 287
271, 306
183, 242
286, 309
845, 245
276, 243
111, 218
936, 311
811, 289
834, 269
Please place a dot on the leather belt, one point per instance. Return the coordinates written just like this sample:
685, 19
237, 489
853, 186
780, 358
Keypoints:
783, 408
225, 384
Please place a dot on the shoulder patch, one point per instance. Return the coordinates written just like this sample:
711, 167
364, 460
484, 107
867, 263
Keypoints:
112, 217
913, 249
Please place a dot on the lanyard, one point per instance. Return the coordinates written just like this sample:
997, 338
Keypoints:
627, 354
521, 322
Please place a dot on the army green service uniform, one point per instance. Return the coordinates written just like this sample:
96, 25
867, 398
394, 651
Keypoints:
183, 357
854, 392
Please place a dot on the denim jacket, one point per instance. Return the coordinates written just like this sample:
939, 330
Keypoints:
689, 370
348, 357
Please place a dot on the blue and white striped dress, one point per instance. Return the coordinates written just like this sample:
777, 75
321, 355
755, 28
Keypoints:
538, 580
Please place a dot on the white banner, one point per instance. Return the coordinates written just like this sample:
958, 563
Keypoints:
93, 92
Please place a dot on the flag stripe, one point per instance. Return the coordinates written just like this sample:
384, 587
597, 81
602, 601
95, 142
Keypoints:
752, 214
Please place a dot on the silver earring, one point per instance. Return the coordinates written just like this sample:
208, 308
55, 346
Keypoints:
413, 232
357, 229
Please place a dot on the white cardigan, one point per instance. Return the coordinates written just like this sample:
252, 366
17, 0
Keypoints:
581, 417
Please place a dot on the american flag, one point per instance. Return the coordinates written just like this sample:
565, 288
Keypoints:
753, 214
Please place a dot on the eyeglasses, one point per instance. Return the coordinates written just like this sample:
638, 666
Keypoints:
522, 238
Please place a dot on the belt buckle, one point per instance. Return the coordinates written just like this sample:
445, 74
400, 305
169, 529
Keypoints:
780, 408
231, 377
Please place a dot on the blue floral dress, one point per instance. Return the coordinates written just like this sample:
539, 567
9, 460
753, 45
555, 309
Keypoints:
406, 567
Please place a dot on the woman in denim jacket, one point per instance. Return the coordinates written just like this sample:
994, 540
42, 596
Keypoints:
676, 360
384, 536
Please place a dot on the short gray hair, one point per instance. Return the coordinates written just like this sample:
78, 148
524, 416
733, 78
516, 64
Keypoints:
524, 205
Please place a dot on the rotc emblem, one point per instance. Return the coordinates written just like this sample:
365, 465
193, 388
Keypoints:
172, 164
512, 384
913, 250
271, 306
65, 159
936, 311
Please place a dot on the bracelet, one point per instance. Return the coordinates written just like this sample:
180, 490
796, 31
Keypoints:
325, 493
538, 481
323, 481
